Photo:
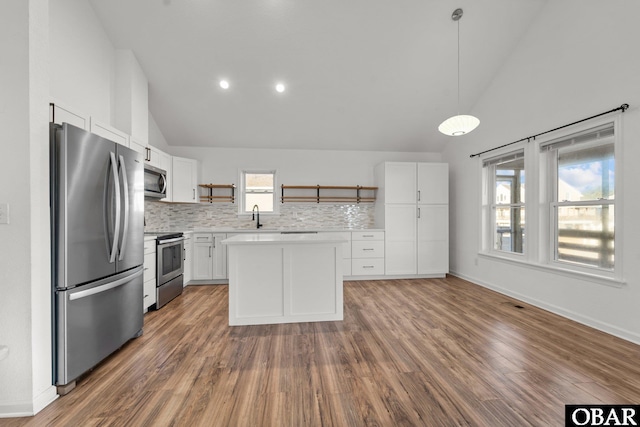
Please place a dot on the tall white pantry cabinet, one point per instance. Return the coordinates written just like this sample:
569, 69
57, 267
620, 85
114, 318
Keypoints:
413, 208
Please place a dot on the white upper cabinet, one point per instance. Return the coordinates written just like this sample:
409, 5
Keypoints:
109, 132
184, 180
136, 145
400, 182
60, 113
152, 155
433, 183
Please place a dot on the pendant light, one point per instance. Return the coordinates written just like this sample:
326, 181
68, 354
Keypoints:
461, 123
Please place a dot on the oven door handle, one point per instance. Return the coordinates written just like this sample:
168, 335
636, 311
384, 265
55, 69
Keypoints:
164, 242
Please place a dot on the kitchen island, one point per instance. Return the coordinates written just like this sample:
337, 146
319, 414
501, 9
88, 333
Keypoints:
284, 278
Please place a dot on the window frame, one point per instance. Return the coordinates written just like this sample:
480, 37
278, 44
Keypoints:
242, 191
489, 204
550, 203
541, 179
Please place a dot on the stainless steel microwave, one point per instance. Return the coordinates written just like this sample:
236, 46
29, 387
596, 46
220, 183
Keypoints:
155, 182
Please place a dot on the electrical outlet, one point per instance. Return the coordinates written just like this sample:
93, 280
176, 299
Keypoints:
4, 213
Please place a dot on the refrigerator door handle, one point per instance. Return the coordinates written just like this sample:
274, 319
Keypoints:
104, 288
116, 186
125, 188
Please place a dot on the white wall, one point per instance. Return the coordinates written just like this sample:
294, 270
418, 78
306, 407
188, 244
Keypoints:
578, 59
295, 167
82, 60
25, 374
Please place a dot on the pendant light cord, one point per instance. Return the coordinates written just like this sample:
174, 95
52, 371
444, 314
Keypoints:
622, 108
458, 108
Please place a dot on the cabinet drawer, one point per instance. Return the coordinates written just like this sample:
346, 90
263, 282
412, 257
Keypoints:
202, 238
367, 235
149, 266
150, 246
364, 249
367, 267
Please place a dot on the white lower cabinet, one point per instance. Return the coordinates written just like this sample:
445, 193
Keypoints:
367, 252
149, 275
209, 256
401, 240
433, 239
367, 267
188, 259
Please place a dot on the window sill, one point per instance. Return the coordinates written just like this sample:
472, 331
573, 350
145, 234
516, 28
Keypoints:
595, 278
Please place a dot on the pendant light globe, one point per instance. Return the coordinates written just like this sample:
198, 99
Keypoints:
460, 124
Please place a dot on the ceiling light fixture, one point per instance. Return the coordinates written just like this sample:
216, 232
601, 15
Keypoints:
280, 87
459, 124
224, 84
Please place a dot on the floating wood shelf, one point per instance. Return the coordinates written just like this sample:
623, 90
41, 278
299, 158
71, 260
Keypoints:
317, 197
210, 197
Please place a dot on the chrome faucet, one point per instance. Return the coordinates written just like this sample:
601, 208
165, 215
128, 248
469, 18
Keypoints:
254, 217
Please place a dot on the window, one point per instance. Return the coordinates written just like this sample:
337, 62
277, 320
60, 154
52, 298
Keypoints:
582, 198
504, 202
258, 188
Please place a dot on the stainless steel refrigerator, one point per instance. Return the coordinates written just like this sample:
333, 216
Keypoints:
97, 226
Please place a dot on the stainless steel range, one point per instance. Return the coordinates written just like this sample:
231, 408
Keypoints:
170, 267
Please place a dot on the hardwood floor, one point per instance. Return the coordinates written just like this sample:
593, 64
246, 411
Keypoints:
436, 352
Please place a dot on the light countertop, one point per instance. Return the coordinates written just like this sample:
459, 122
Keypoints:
277, 238
267, 230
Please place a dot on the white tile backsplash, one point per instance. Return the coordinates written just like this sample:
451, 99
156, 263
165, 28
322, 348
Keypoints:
161, 216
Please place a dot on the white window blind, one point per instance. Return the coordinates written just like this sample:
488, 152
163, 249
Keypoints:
514, 155
598, 135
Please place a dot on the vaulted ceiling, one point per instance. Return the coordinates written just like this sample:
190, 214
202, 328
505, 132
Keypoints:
359, 74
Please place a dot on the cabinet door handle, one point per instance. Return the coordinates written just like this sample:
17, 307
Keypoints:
367, 266
367, 235
418, 212
184, 253
368, 249
209, 251
418, 195
194, 193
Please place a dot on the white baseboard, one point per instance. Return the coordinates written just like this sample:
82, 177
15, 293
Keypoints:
577, 317
44, 399
29, 408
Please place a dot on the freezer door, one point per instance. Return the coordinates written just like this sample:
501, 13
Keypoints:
83, 177
131, 240
93, 321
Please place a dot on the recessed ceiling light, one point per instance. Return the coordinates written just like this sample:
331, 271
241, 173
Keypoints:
224, 84
280, 87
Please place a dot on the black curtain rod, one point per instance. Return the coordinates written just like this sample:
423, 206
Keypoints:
623, 107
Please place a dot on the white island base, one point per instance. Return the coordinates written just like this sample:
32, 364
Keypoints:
284, 278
